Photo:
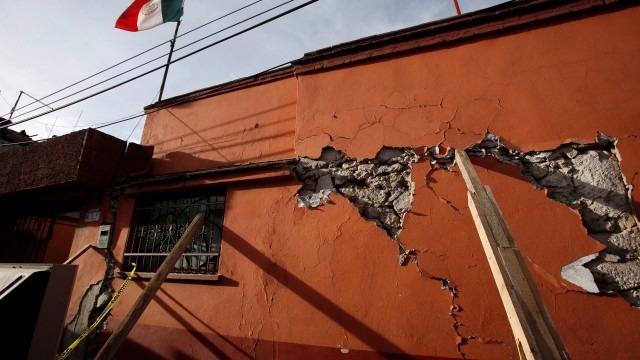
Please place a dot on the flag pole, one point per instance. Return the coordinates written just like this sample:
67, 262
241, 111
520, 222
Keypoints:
14, 106
166, 69
455, 2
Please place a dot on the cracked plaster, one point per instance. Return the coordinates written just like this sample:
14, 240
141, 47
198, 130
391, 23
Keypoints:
587, 178
93, 302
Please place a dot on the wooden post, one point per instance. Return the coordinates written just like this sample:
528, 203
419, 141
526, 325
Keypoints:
533, 329
116, 339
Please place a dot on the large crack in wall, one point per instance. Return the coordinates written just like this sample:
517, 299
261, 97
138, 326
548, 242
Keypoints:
587, 178
93, 302
381, 188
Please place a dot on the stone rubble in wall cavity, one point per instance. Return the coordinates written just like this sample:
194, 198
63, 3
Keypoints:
587, 178
381, 188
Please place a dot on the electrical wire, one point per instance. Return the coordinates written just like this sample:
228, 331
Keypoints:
154, 59
181, 101
136, 116
135, 56
284, 13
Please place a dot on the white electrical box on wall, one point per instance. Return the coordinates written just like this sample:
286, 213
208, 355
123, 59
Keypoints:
103, 236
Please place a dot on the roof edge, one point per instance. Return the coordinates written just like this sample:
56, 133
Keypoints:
509, 16
248, 81
505, 17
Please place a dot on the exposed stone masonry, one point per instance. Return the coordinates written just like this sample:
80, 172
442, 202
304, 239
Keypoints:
381, 188
587, 178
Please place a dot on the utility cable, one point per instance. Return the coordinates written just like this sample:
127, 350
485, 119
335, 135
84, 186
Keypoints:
284, 13
154, 59
137, 55
135, 116
37, 100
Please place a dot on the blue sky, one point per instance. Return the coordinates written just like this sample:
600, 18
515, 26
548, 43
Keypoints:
49, 44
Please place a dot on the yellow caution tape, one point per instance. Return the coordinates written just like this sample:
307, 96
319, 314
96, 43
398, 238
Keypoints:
99, 319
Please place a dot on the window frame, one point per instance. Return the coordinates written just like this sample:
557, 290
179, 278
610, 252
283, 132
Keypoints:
149, 207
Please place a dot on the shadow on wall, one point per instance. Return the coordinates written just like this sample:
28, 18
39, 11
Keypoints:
228, 122
224, 349
232, 347
233, 143
179, 161
323, 304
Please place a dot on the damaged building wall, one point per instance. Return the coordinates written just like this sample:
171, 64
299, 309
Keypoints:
587, 178
96, 270
381, 188
290, 268
284, 267
538, 90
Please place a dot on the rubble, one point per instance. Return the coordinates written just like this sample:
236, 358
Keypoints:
381, 188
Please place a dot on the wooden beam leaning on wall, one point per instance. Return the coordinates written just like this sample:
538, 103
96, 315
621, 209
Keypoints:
116, 339
533, 329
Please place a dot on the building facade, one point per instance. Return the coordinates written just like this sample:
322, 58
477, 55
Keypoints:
336, 222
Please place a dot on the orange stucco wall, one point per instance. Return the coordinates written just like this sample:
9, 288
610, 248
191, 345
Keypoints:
535, 89
301, 282
251, 125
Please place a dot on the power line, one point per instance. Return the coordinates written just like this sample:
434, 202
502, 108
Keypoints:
136, 116
139, 115
135, 56
170, 63
157, 58
37, 100
181, 101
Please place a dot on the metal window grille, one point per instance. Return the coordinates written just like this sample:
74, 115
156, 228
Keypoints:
160, 220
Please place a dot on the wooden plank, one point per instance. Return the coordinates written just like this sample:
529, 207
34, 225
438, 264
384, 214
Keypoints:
77, 254
533, 329
116, 339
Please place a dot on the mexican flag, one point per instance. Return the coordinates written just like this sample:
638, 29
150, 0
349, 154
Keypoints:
145, 14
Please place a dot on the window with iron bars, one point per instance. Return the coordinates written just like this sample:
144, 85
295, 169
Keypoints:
160, 220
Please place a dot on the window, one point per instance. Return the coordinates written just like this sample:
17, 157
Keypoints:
160, 220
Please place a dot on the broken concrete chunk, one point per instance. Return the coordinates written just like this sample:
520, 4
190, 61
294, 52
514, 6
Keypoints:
403, 203
579, 275
623, 275
381, 188
313, 199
